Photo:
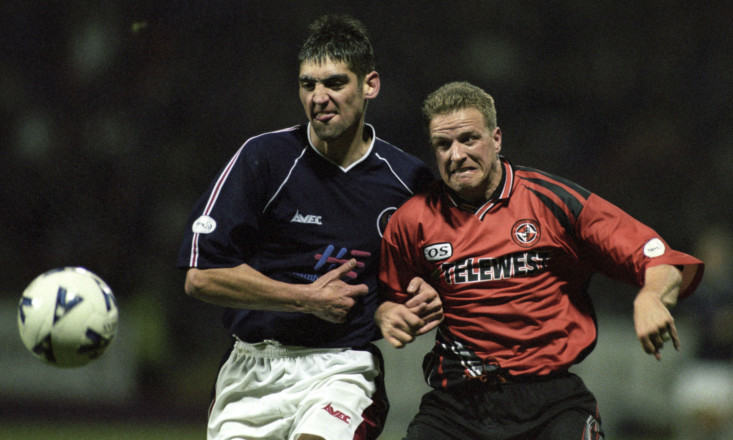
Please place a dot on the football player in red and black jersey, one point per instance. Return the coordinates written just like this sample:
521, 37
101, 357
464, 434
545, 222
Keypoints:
511, 251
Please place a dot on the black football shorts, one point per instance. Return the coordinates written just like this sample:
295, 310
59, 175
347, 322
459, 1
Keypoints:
552, 408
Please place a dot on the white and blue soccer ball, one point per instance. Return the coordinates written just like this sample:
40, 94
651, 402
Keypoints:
67, 317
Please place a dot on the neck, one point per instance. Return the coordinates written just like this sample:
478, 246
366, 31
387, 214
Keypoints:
347, 149
497, 174
482, 196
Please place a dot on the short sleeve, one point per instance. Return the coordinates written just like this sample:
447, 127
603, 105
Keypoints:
221, 230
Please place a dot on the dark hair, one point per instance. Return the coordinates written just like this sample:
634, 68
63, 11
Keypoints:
339, 38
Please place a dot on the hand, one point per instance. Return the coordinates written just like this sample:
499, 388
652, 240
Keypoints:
425, 303
653, 322
402, 323
330, 298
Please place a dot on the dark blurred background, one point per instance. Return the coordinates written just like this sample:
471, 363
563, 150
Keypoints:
115, 116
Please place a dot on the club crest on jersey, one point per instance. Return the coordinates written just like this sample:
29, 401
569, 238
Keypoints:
526, 233
383, 219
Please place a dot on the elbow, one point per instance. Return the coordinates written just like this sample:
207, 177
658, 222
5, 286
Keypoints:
194, 283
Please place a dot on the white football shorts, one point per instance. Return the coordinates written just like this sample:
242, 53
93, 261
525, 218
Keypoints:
273, 391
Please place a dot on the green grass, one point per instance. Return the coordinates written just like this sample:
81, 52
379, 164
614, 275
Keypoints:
75, 430
100, 431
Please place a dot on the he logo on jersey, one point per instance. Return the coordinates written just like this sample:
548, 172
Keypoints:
526, 233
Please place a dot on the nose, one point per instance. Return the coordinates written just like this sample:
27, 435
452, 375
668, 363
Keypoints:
320, 95
457, 152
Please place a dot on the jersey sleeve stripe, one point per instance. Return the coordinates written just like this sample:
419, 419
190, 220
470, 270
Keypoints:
216, 191
220, 182
573, 204
584, 193
193, 262
556, 210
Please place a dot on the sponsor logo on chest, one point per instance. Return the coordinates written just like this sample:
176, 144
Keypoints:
308, 219
476, 270
524, 233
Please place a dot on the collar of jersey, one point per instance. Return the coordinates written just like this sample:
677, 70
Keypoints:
501, 193
361, 159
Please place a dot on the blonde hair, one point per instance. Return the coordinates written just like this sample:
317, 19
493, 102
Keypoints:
459, 95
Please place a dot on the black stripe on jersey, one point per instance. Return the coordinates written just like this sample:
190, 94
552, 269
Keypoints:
570, 201
557, 211
570, 184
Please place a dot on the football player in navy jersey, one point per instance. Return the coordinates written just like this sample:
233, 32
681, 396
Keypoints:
511, 251
287, 239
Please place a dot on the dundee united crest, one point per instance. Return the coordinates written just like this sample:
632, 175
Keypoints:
526, 233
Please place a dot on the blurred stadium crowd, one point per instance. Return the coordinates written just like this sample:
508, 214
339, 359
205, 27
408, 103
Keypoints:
116, 115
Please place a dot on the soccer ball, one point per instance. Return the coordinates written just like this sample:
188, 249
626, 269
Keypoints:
67, 317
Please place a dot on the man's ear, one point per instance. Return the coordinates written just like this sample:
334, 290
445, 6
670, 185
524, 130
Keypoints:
497, 139
371, 85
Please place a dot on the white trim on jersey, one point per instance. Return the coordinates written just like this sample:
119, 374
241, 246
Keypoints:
290, 172
391, 170
193, 261
210, 204
360, 160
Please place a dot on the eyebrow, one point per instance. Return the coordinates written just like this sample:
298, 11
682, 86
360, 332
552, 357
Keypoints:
331, 78
438, 139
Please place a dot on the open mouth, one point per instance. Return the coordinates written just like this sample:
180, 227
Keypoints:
459, 171
324, 116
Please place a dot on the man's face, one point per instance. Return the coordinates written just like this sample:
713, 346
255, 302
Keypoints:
333, 98
466, 153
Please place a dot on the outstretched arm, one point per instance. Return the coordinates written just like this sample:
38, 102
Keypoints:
242, 286
402, 323
653, 321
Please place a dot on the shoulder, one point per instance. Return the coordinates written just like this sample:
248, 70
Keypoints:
414, 172
271, 149
428, 200
396, 155
389, 152
276, 142
423, 210
552, 182
561, 198
552, 190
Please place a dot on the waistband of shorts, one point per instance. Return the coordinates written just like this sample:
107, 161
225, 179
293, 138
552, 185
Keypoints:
274, 349
501, 378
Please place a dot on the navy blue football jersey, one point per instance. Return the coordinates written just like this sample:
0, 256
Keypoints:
283, 208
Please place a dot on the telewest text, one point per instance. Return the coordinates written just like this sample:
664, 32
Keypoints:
476, 270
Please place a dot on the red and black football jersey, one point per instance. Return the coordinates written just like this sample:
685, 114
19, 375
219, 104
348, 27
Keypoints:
513, 274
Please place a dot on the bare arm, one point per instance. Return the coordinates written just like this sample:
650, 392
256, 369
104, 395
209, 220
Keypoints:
653, 321
402, 323
244, 287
